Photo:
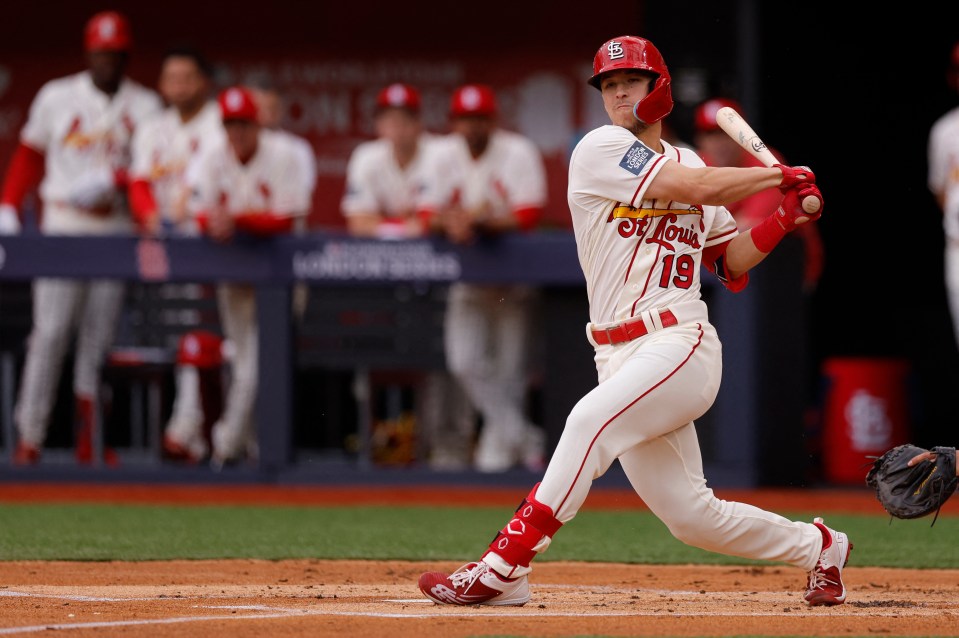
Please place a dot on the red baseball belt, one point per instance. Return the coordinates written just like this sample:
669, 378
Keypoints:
629, 330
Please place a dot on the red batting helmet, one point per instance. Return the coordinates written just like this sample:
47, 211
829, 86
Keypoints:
706, 113
630, 52
237, 103
473, 99
399, 96
107, 31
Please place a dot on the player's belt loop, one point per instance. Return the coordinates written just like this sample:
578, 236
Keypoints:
609, 336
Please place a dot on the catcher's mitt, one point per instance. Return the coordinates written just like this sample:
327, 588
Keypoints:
919, 490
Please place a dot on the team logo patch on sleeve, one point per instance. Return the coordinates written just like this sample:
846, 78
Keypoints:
636, 157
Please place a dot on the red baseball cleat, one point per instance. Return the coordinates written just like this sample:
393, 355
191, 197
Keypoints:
825, 580
474, 584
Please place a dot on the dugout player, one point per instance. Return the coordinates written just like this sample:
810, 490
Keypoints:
250, 184
489, 182
165, 145
646, 216
163, 149
77, 140
943, 181
384, 198
386, 177
269, 104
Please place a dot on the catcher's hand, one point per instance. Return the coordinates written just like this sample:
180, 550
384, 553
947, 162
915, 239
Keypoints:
911, 481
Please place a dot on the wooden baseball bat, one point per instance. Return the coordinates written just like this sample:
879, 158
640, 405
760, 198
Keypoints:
737, 128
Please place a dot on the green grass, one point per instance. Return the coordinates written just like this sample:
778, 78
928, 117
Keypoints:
139, 532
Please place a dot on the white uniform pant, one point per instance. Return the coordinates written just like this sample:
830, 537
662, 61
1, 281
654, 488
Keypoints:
60, 307
233, 434
642, 412
487, 341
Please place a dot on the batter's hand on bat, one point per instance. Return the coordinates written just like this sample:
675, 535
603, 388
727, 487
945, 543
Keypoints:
791, 213
795, 175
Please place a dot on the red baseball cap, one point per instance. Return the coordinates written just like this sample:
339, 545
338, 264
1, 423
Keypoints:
107, 31
706, 113
399, 96
237, 103
473, 99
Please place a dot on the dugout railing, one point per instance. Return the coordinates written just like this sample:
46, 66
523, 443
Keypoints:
751, 412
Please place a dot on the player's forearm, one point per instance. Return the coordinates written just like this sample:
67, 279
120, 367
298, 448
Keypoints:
725, 185
712, 186
142, 203
742, 255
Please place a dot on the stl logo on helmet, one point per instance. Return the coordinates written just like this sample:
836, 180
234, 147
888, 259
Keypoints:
234, 100
615, 50
471, 98
396, 95
108, 29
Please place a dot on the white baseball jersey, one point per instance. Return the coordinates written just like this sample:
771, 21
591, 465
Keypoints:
81, 130
306, 158
637, 254
271, 181
508, 176
377, 184
944, 168
164, 146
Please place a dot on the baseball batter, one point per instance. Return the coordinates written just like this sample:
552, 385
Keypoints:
163, 149
490, 181
647, 216
943, 180
77, 138
250, 183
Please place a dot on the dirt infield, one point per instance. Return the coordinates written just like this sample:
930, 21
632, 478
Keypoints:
373, 598
380, 598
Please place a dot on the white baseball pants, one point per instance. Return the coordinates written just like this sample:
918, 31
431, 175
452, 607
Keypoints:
642, 412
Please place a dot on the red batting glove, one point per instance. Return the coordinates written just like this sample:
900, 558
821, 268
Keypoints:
791, 214
795, 175
769, 232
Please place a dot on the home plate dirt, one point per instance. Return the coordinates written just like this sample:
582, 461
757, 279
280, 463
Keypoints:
350, 599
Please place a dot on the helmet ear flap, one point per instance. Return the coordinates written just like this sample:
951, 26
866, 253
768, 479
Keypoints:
658, 104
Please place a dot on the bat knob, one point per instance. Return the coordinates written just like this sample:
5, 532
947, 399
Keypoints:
811, 205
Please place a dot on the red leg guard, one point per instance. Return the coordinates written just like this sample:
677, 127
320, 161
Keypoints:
532, 520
